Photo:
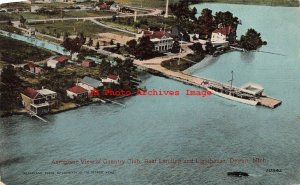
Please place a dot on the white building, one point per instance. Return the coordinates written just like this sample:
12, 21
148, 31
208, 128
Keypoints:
57, 62
111, 79
221, 35
115, 8
161, 39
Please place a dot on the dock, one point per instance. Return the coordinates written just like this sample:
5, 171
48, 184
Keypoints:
153, 66
32, 114
269, 102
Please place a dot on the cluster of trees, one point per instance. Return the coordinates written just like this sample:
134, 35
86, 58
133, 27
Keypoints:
74, 45
144, 49
46, 11
10, 87
198, 48
251, 40
124, 68
205, 23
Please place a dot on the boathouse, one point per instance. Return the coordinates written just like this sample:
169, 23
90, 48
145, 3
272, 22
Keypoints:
35, 102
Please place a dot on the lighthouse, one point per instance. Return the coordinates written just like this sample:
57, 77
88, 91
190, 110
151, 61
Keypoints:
167, 9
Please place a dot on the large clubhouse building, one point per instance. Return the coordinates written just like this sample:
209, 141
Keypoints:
161, 39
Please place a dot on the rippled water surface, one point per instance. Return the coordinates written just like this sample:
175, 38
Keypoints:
180, 128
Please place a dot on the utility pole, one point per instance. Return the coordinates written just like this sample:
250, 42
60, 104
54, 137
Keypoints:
135, 14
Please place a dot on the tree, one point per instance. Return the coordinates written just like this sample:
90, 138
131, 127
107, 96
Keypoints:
118, 46
111, 42
251, 40
9, 23
144, 49
131, 45
176, 47
72, 45
182, 11
197, 47
66, 35
209, 48
22, 20
97, 45
81, 38
90, 42
114, 18
104, 67
226, 18
9, 88
206, 22
58, 35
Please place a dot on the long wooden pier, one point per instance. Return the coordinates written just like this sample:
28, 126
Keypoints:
32, 114
153, 67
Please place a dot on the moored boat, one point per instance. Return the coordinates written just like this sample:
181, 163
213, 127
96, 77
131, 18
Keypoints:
248, 93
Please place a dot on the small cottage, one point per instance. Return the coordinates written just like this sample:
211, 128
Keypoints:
33, 68
90, 84
112, 79
77, 91
88, 63
57, 62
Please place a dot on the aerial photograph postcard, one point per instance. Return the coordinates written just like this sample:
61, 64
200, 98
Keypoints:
149, 92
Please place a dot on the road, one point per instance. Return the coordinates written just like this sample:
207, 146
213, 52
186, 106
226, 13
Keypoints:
152, 13
111, 27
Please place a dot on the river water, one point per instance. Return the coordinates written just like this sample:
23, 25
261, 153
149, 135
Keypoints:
176, 128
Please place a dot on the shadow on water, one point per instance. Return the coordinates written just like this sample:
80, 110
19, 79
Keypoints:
8, 162
248, 56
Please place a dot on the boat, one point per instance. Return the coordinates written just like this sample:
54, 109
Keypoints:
247, 94
238, 174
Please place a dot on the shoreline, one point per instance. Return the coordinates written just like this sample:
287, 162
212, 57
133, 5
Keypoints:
22, 111
283, 4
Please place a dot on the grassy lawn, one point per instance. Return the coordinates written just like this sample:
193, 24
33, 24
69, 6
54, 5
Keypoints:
17, 52
73, 27
146, 3
28, 15
148, 21
89, 13
119, 25
15, 5
176, 64
80, 71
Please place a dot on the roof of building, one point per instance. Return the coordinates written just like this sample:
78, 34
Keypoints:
113, 77
31, 64
252, 88
88, 61
91, 82
46, 92
30, 92
155, 34
104, 5
61, 58
225, 30
77, 89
